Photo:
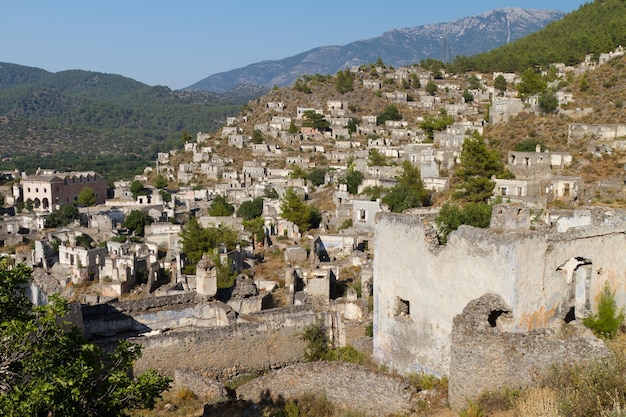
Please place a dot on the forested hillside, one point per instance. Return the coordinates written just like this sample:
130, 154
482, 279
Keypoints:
71, 119
594, 28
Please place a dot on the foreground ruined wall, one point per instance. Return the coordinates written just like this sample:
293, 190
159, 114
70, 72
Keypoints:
419, 286
485, 358
353, 386
270, 340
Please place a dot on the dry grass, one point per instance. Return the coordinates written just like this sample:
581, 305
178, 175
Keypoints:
538, 402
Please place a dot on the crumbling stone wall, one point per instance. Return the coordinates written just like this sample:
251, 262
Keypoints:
485, 358
420, 286
266, 341
352, 386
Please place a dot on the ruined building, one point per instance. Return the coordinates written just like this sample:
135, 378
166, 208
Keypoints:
534, 281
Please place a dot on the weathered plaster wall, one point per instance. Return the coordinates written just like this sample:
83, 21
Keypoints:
539, 275
484, 358
352, 386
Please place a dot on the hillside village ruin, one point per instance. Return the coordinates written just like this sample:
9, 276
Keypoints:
535, 268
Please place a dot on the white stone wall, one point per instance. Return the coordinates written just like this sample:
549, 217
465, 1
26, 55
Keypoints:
531, 271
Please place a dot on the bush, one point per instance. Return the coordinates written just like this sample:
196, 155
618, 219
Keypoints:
608, 320
500, 400
472, 410
589, 389
318, 342
346, 354
423, 381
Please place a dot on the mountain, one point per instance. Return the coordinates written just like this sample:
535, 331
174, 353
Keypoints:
72, 119
592, 29
443, 41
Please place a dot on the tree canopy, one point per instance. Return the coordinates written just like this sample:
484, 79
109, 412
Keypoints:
87, 197
47, 368
251, 209
352, 179
62, 216
294, 209
390, 112
311, 118
198, 240
136, 221
220, 207
409, 192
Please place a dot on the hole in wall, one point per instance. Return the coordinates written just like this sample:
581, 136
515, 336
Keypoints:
494, 315
570, 316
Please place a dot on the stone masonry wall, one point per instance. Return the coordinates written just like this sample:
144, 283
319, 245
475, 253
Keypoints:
345, 384
484, 358
267, 341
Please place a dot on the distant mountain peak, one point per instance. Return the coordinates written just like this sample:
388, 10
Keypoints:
397, 47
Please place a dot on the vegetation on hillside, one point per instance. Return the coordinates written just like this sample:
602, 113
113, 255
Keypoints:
594, 28
74, 119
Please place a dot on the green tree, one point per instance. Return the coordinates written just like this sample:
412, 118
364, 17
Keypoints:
297, 211
136, 221
375, 158
301, 86
219, 207
185, 136
431, 123
318, 342
467, 96
313, 119
478, 165
197, 240
257, 136
431, 88
352, 124
137, 188
297, 172
256, 227
390, 112
474, 82
528, 145
270, 192
548, 103
531, 83
344, 81
500, 83
608, 319
409, 192
62, 216
451, 216
352, 179
317, 176
251, 209
87, 197
49, 369
160, 182
293, 129
415, 81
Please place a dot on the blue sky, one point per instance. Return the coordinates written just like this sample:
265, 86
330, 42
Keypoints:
177, 43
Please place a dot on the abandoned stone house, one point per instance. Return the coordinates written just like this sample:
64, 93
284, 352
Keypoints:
49, 189
504, 108
543, 279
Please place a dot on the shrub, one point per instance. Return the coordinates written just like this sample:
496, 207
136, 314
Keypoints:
589, 389
423, 381
472, 410
608, 319
346, 354
317, 342
500, 400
